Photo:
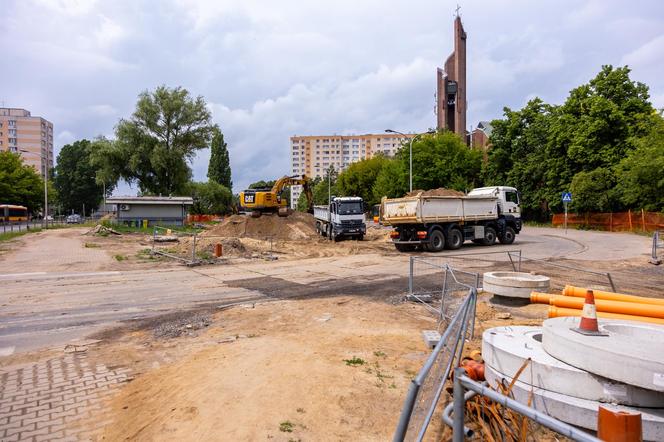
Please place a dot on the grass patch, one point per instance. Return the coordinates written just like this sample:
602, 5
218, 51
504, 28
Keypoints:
91, 245
355, 361
286, 427
120, 257
300, 410
11, 235
379, 354
122, 228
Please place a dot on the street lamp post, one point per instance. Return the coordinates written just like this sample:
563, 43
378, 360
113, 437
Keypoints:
410, 161
45, 217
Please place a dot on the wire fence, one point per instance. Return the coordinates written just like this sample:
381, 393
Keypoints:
26, 226
175, 244
426, 273
427, 387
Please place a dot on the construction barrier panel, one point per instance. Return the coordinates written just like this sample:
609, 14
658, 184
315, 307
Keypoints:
203, 218
637, 221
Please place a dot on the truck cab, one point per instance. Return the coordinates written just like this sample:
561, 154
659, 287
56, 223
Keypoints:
343, 218
509, 200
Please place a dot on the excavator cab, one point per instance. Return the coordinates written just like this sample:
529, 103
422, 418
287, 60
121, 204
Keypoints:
269, 200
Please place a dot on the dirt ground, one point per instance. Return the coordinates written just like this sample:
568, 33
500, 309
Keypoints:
322, 369
316, 369
330, 362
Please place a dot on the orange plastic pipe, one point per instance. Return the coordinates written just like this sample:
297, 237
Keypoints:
602, 305
619, 426
579, 292
557, 312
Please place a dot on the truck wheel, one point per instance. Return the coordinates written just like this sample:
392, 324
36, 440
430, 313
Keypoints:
404, 247
454, 239
436, 241
508, 236
489, 236
334, 236
360, 237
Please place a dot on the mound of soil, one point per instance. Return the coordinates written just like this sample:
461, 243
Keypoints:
296, 226
441, 191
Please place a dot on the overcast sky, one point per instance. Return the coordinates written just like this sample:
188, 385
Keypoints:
272, 69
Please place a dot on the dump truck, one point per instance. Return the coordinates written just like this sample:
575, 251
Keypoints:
342, 218
433, 223
269, 200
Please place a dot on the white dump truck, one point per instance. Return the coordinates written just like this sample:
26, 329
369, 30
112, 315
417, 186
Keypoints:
343, 218
434, 223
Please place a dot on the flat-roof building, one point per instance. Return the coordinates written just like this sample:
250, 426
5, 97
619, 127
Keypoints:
156, 210
31, 137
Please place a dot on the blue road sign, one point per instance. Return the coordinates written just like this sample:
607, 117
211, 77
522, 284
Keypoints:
567, 197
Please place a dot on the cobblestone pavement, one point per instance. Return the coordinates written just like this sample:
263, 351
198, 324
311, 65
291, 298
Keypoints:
44, 400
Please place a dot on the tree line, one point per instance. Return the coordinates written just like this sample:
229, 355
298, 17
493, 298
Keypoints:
152, 149
605, 144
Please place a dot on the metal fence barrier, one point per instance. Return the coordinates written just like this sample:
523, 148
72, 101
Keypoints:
657, 243
27, 226
425, 390
423, 283
175, 250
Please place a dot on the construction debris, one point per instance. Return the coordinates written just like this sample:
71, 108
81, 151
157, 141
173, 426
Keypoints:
102, 230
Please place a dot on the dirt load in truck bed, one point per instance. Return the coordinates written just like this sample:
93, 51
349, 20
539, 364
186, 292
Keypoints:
441, 191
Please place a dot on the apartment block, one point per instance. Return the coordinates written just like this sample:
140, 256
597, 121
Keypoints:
313, 155
31, 137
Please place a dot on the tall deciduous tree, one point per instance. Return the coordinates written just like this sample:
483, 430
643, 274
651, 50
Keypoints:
641, 173
75, 178
210, 198
219, 168
154, 146
544, 150
359, 178
19, 183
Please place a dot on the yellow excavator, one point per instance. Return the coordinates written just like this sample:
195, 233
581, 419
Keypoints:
269, 200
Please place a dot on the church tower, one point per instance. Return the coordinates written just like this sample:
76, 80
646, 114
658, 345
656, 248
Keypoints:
451, 86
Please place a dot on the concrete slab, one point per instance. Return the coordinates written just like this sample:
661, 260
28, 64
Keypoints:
514, 284
506, 350
632, 352
575, 411
431, 338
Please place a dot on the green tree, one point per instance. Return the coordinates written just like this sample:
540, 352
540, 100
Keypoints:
154, 146
392, 181
210, 198
443, 160
541, 149
20, 184
641, 176
359, 178
219, 168
75, 178
595, 191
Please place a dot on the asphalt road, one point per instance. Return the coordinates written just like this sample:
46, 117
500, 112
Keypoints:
45, 305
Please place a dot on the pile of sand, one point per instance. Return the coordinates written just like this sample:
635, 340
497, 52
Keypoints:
296, 226
441, 191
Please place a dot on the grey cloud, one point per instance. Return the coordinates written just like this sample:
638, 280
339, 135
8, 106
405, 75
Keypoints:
270, 70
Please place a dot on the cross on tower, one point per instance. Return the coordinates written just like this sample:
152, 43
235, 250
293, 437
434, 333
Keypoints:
457, 10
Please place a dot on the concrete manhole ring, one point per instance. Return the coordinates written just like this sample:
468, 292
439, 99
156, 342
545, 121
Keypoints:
515, 284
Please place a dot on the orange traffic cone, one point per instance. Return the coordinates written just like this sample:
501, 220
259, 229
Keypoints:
588, 323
